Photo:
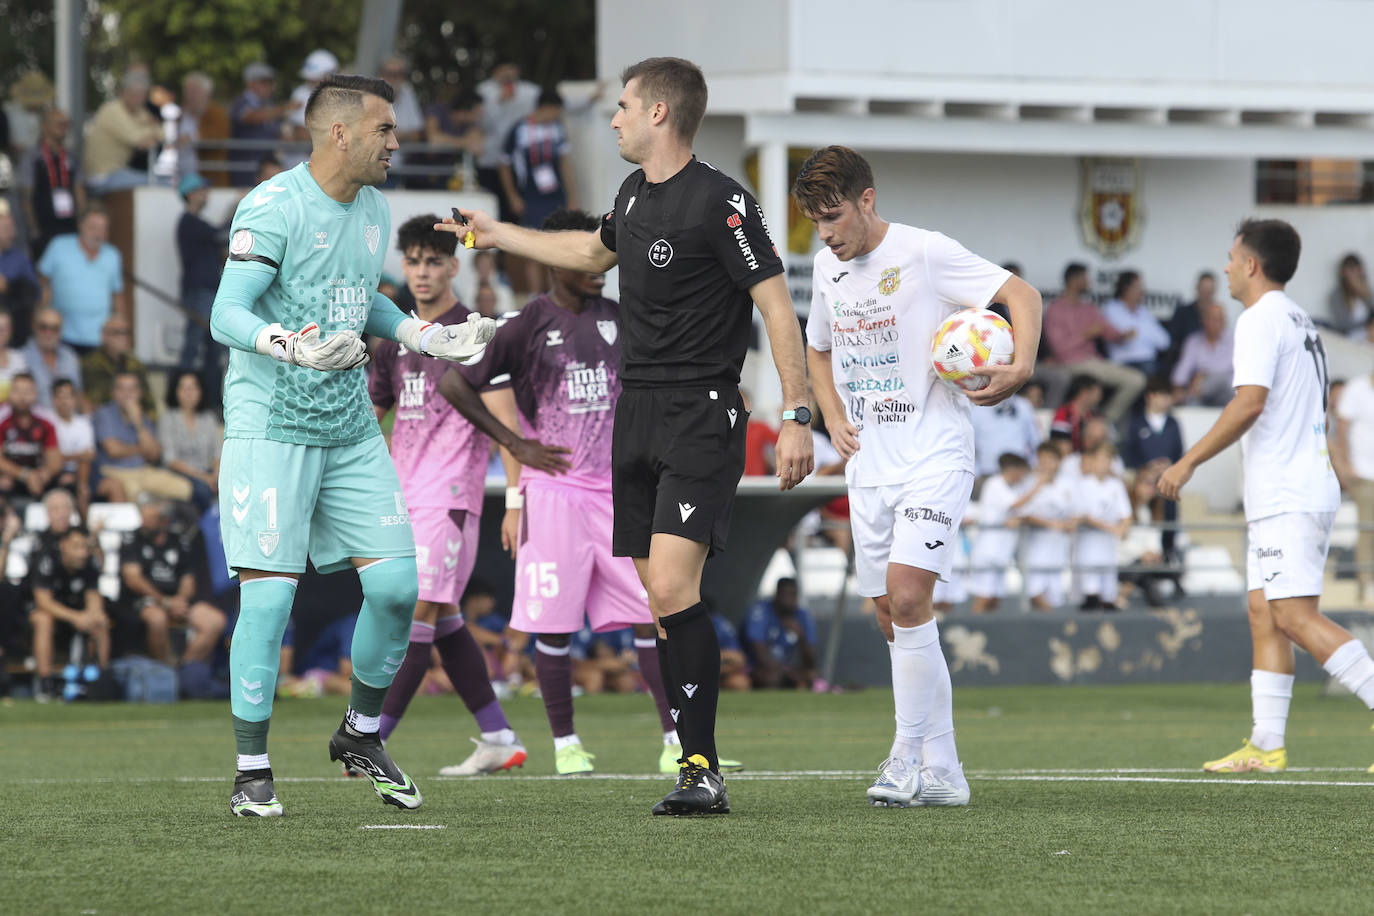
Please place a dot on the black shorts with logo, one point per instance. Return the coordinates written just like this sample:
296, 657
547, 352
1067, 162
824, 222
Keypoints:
677, 455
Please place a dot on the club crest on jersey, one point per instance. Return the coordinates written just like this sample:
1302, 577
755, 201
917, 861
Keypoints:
241, 243
609, 330
267, 541
372, 235
660, 253
890, 281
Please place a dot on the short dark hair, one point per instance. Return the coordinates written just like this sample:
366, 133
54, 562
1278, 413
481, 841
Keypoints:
74, 529
564, 219
1010, 460
24, 375
784, 582
1080, 383
1103, 447
62, 382
174, 382
1047, 448
830, 176
1074, 269
1276, 245
419, 232
1124, 281
1206, 275
346, 90
1159, 384
678, 82
550, 95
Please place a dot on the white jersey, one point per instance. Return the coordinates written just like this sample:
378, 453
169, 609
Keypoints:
1047, 549
876, 315
1103, 499
1287, 467
995, 546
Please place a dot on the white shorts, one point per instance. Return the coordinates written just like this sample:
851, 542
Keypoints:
1286, 554
914, 524
1049, 585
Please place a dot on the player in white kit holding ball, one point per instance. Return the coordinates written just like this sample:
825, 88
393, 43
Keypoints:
880, 291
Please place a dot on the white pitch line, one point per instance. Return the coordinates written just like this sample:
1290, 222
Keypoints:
1206, 781
404, 827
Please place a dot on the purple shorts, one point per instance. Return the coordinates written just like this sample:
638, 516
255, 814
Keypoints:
445, 551
564, 570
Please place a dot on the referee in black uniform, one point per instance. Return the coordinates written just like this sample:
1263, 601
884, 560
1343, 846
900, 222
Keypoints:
694, 253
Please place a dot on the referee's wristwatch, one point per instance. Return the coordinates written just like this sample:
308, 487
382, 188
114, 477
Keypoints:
800, 415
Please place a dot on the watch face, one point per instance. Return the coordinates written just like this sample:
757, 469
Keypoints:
802, 415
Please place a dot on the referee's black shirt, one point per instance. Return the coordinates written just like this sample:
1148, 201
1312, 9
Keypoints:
689, 249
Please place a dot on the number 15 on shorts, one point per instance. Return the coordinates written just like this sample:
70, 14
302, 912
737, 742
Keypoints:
542, 579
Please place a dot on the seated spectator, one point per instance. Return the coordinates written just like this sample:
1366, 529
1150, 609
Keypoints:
1074, 326
191, 438
114, 356
158, 583
1005, 428
1085, 393
1104, 517
62, 515
83, 278
994, 549
29, 459
11, 360
1350, 305
47, 358
780, 639
66, 602
1154, 440
734, 666
326, 668
1143, 339
604, 662
1187, 316
127, 450
203, 120
254, 116
19, 286
1203, 373
75, 442
537, 173
121, 128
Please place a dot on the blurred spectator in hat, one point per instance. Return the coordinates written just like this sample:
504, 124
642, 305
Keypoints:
318, 64
122, 127
19, 286
254, 116
201, 245
47, 358
29, 96
50, 185
83, 278
203, 120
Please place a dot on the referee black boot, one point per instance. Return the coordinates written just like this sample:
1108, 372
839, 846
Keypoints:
699, 790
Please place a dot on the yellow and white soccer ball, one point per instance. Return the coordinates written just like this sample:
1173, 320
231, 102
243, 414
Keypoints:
970, 339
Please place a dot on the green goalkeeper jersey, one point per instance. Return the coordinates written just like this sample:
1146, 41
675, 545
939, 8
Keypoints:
325, 260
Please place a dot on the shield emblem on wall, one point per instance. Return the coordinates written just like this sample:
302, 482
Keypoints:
1110, 214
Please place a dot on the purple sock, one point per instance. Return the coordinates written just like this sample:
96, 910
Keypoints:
467, 669
652, 672
553, 668
408, 678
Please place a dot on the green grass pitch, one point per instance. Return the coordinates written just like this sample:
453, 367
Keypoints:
1085, 800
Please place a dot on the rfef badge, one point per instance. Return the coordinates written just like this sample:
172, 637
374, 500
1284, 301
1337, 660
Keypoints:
1110, 214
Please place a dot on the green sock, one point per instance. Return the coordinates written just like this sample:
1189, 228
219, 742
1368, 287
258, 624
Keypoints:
365, 700
250, 737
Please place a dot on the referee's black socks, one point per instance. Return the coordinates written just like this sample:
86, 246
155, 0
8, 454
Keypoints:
693, 676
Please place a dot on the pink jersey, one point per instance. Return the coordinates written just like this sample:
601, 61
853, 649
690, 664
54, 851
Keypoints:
564, 370
440, 457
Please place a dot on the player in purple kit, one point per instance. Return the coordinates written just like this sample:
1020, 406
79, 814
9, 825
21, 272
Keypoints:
561, 356
441, 461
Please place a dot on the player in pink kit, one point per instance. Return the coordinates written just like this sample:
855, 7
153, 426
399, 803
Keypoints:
561, 355
441, 461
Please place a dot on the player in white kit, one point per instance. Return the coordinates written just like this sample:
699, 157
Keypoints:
1279, 416
880, 290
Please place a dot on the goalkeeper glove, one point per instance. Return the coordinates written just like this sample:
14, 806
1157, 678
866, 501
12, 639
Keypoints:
306, 347
460, 343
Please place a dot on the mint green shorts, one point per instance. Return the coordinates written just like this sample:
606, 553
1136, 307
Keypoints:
280, 502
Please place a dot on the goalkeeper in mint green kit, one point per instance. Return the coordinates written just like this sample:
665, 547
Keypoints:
305, 470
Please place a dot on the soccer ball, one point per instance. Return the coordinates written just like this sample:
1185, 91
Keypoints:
970, 339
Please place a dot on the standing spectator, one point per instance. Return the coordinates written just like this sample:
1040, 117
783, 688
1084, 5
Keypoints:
121, 128
11, 360
50, 184
29, 459
319, 64
1203, 372
66, 601
1350, 305
1187, 316
158, 583
1073, 327
1104, 517
47, 358
410, 120
1005, 428
191, 438
537, 174
254, 116
1154, 440
127, 450
1085, 393
1355, 442
1142, 338
781, 640
456, 127
506, 100
19, 287
75, 442
83, 278
1046, 512
994, 549
201, 246
30, 95
114, 356
203, 120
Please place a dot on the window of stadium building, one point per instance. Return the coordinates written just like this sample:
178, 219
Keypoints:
1314, 182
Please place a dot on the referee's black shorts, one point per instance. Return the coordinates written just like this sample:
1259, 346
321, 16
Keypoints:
677, 455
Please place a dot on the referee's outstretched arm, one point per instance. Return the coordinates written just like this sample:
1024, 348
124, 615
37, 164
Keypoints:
569, 250
794, 450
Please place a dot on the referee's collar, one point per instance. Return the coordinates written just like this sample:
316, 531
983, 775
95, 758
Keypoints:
691, 163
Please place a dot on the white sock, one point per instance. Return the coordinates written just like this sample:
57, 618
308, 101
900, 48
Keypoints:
1353, 668
938, 746
670, 738
501, 736
1270, 694
366, 725
253, 762
913, 683
906, 747
560, 743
